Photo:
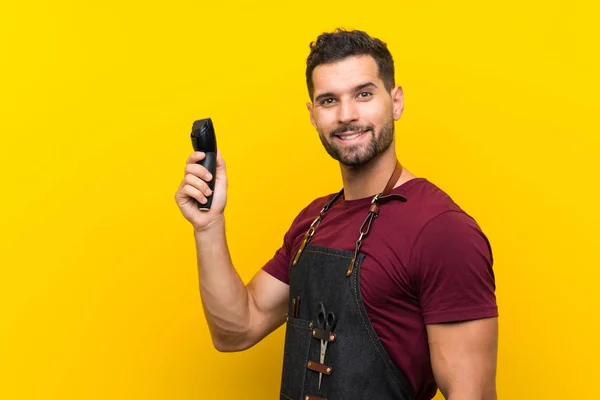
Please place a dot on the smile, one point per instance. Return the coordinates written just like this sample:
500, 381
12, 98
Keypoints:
351, 135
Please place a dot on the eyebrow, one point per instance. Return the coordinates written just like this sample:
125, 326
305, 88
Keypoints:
356, 89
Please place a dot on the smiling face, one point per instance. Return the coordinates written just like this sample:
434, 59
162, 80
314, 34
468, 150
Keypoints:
352, 111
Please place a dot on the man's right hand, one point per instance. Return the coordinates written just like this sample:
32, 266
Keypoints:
194, 188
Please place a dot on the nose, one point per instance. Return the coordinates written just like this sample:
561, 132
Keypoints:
348, 112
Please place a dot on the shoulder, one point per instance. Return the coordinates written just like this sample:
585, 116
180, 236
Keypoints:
439, 215
450, 260
436, 224
426, 197
278, 265
426, 205
454, 230
308, 213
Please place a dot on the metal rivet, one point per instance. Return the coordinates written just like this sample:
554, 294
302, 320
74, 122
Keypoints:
310, 324
328, 370
307, 398
309, 363
331, 337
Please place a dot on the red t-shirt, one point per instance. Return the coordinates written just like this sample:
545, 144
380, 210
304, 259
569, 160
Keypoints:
426, 261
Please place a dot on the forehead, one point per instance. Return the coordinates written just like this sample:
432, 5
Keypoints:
345, 74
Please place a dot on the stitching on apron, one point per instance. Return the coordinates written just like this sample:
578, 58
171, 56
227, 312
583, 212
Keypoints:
300, 326
356, 288
328, 254
307, 355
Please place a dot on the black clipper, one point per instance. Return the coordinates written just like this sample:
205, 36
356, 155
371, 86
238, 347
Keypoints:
204, 140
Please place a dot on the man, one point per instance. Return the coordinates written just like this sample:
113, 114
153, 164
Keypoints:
386, 287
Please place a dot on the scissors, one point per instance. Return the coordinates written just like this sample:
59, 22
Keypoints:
326, 322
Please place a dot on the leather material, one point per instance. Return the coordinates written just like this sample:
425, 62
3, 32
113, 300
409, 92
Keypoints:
318, 367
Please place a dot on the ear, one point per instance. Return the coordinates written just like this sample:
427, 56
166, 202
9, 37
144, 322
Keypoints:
398, 102
310, 106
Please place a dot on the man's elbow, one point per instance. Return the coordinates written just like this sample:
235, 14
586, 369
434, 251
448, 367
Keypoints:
232, 343
487, 393
490, 392
459, 396
224, 347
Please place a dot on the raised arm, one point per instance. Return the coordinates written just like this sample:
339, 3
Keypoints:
238, 316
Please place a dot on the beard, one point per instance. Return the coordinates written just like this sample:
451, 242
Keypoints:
362, 153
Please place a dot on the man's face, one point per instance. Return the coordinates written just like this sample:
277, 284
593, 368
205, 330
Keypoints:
352, 111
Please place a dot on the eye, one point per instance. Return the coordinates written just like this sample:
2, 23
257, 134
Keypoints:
365, 95
326, 101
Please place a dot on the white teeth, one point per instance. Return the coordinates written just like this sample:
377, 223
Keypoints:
350, 137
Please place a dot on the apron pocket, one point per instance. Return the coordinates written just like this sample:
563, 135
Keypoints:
298, 335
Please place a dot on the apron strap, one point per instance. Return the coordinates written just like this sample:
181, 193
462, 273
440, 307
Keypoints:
393, 179
374, 212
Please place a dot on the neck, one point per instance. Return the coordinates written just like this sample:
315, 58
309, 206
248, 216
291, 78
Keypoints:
370, 179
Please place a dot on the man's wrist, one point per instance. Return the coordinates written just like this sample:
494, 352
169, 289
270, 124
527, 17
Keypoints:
215, 225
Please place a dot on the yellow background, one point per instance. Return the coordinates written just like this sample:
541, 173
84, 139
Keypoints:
98, 286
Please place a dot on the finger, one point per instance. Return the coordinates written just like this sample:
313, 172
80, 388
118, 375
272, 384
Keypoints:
198, 170
197, 183
195, 157
194, 193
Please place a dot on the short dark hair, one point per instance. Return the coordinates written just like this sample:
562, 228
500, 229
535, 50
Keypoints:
340, 44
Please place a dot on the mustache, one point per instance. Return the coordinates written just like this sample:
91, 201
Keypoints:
350, 128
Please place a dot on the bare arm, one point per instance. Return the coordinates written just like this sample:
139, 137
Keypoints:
463, 357
238, 316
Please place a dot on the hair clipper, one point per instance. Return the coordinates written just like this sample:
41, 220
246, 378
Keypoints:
204, 140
